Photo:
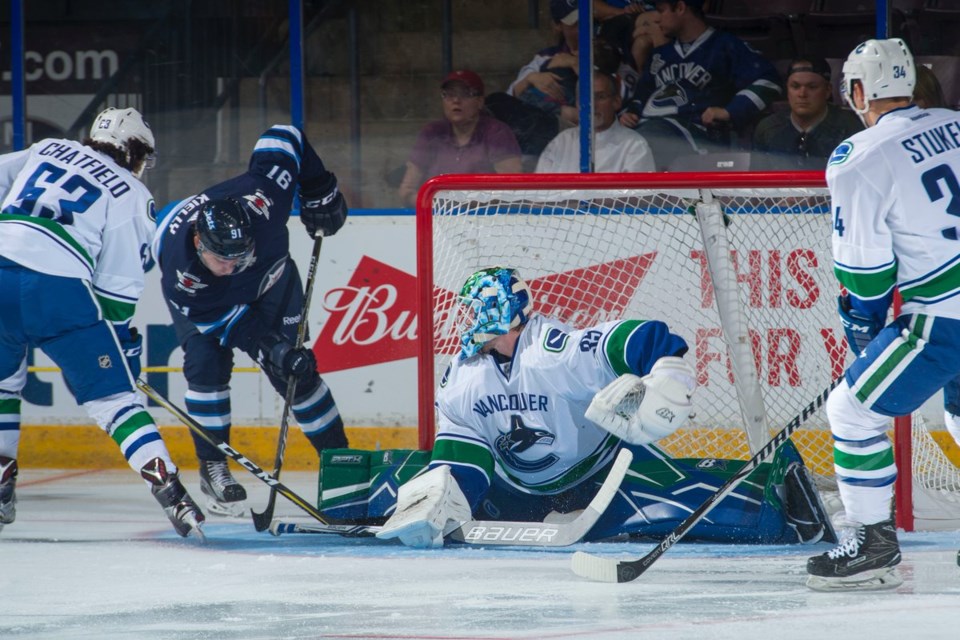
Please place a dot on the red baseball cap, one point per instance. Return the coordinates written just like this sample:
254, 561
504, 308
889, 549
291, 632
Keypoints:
469, 78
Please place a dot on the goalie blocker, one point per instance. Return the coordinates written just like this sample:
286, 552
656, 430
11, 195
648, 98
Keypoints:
776, 504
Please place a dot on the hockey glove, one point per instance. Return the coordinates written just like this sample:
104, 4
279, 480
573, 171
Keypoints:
643, 410
281, 359
859, 328
131, 343
322, 206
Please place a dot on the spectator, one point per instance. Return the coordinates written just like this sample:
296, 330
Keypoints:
647, 36
928, 93
806, 135
617, 148
699, 87
614, 21
467, 140
542, 98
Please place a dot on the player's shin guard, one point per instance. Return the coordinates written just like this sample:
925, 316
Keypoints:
318, 416
166, 487
8, 490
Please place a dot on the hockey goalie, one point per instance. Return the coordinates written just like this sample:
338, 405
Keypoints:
532, 413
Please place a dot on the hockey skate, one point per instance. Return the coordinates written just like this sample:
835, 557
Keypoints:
226, 495
864, 560
166, 487
8, 493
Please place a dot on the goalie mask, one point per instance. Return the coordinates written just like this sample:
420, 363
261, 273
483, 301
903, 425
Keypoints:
493, 301
225, 230
884, 68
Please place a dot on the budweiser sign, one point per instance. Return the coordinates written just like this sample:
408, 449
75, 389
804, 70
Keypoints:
374, 319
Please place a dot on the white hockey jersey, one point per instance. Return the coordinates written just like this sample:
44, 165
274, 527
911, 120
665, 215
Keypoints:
70, 211
526, 420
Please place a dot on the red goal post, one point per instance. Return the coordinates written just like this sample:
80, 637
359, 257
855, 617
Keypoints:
738, 263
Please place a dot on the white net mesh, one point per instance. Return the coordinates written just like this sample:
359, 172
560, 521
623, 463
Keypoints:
591, 255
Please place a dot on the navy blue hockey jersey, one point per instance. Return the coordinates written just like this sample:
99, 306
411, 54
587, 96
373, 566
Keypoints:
220, 306
716, 70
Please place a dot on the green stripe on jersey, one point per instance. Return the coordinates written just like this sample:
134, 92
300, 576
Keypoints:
868, 285
10, 406
461, 452
615, 347
942, 284
138, 420
115, 310
52, 226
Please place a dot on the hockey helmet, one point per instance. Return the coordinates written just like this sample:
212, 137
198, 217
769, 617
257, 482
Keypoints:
225, 230
117, 127
493, 301
885, 68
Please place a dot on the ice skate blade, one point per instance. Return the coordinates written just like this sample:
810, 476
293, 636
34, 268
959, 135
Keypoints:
876, 580
227, 509
196, 530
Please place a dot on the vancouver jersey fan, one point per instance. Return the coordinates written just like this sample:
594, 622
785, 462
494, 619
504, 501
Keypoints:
54, 216
902, 231
684, 80
523, 420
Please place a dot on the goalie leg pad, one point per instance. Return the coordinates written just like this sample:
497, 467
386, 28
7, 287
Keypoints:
804, 511
427, 506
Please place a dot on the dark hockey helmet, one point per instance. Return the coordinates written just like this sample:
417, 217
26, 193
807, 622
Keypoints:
224, 229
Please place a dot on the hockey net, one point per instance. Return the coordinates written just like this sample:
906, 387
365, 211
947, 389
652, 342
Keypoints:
738, 264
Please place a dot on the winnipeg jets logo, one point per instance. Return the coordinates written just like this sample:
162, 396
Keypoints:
259, 203
519, 439
189, 283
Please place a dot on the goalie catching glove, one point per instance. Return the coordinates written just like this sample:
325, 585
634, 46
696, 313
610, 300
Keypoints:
426, 506
323, 208
643, 410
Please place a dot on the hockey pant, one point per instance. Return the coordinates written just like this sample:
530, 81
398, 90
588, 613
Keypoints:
61, 316
905, 364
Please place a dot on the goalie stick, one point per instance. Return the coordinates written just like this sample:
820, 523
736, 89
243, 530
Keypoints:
244, 461
609, 570
494, 533
262, 519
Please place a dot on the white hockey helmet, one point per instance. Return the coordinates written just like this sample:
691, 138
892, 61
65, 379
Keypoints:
117, 127
885, 69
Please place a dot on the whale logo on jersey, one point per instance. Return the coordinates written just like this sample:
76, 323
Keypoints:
666, 101
518, 440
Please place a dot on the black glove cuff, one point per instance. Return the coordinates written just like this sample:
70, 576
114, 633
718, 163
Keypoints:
318, 186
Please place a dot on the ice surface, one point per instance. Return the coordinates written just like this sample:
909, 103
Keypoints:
92, 556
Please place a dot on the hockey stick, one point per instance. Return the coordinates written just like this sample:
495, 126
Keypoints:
609, 570
494, 533
261, 521
245, 462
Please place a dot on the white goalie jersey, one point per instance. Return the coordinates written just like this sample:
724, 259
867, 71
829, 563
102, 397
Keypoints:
70, 211
528, 414
895, 190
